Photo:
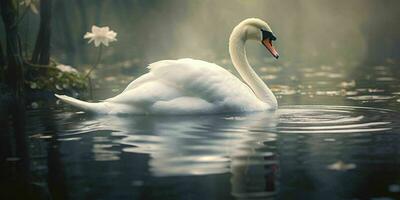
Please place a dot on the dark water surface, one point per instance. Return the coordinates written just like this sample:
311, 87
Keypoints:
343, 145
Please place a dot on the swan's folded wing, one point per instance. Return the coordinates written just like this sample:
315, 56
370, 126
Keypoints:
201, 79
174, 70
147, 93
184, 70
141, 80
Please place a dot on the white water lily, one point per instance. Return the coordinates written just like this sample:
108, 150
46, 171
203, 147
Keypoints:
33, 85
101, 35
66, 68
341, 166
30, 4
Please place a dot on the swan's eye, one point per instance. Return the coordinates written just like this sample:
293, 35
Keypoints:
267, 35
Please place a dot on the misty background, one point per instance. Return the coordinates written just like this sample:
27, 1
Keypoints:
309, 32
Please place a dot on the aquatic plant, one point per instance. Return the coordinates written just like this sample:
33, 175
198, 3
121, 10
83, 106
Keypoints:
54, 77
99, 35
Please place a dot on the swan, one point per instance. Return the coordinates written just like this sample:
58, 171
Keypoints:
189, 86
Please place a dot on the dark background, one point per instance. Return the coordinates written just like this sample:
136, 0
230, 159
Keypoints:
313, 31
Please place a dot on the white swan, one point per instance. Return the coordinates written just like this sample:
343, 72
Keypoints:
188, 86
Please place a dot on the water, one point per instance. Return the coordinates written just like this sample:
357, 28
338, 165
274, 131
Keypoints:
342, 145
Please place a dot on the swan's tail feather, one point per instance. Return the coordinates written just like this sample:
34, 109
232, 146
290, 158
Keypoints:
83, 105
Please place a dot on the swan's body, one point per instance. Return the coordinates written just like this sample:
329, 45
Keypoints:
188, 86
183, 86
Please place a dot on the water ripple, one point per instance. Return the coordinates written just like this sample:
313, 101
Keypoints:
334, 119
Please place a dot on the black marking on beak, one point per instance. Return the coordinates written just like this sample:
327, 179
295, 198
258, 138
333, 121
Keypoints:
268, 35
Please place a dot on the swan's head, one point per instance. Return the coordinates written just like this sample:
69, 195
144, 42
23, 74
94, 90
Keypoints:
259, 30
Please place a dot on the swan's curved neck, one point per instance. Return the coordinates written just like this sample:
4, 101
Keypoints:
237, 52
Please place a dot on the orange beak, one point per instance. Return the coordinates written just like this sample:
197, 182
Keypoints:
268, 44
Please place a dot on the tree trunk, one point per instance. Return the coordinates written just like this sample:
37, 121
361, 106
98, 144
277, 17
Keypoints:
2, 63
13, 74
14, 79
41, 53
64, 29
84, 26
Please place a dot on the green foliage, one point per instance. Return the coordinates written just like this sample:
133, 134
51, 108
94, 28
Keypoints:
52, 79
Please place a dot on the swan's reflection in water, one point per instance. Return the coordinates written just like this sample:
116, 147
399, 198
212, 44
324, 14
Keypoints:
249, 148
192, 145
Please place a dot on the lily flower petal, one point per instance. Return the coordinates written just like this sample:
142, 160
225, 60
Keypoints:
101, 35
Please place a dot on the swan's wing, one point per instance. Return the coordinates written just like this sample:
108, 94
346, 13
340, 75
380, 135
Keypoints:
184, 70
142, 79
146, 93
202, 79
177, 72
173, 71
187, 85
